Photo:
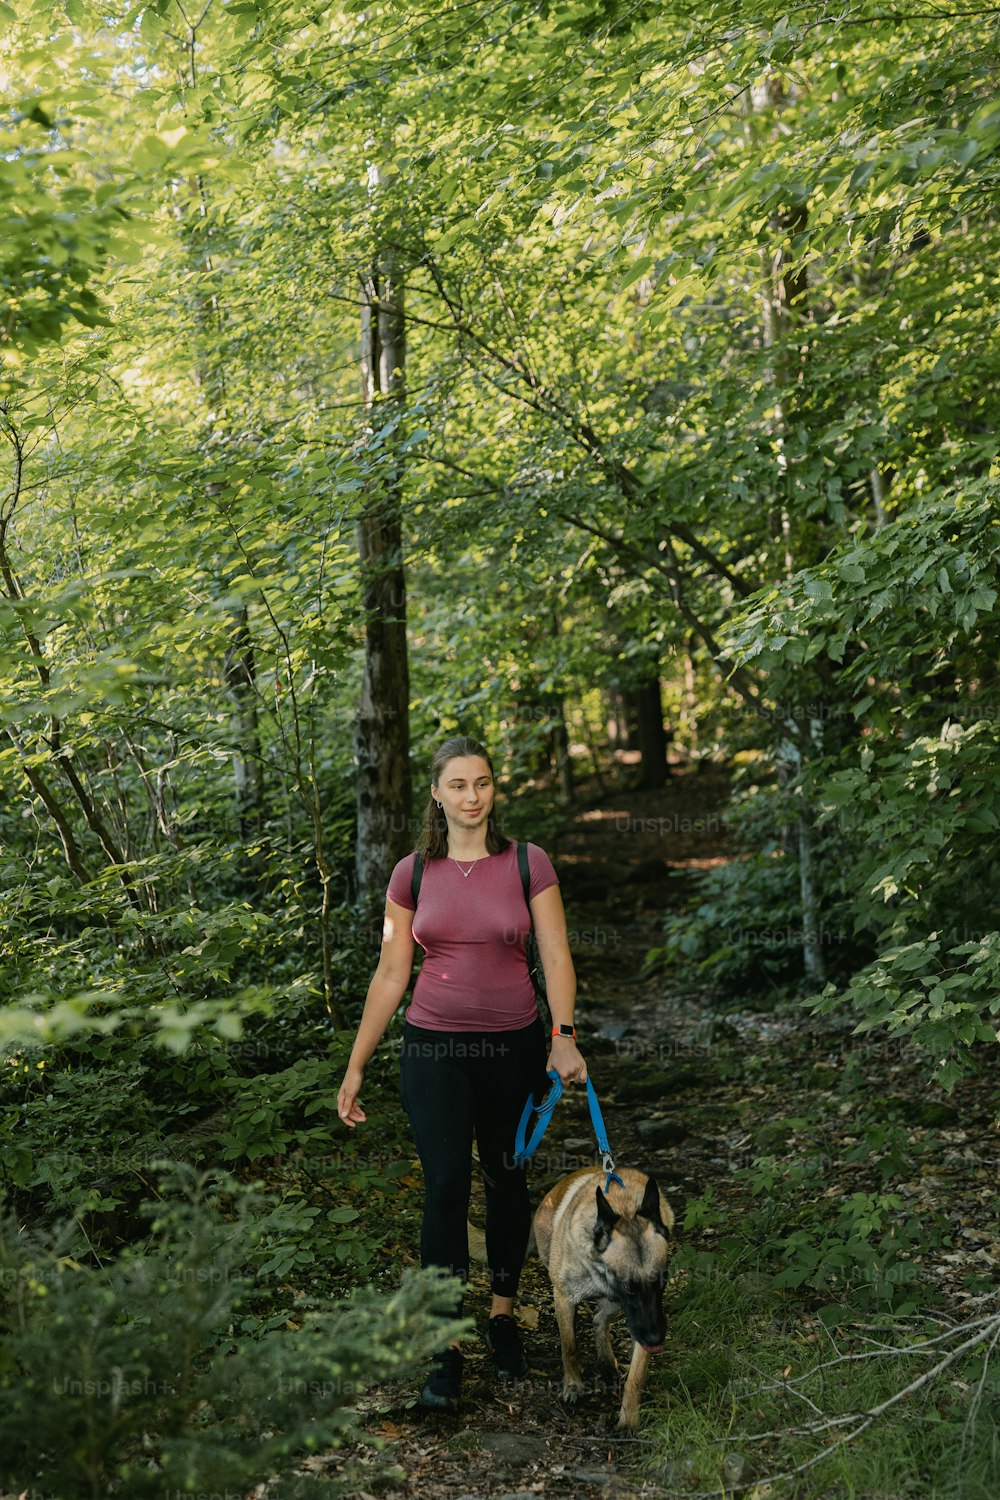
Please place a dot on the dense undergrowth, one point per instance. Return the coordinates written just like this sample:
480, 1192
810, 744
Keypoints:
168, 1327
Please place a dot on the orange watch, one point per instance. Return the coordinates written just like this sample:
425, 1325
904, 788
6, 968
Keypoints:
564, 1031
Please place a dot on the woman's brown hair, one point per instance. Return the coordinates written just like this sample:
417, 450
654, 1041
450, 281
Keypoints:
433, 841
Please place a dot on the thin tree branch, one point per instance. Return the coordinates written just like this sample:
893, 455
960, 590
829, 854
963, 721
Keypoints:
580, 429
49, 801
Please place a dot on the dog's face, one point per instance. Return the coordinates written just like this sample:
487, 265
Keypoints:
633, 1253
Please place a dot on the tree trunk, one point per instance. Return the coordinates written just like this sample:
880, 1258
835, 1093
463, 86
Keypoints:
616, 720
878, 496
382, 735
650, 735
784, 304
690, 696
560, 750
784, 301
812, 936
241, 681
628, 720
239, 668
590, 740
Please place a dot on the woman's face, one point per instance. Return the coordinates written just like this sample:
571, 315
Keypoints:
465, 791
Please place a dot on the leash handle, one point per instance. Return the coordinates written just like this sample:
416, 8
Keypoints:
524, 1152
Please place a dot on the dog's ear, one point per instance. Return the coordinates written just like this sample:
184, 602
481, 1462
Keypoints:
649, 1208
606, 1221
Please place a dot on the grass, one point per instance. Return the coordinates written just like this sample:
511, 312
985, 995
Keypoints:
748, 1370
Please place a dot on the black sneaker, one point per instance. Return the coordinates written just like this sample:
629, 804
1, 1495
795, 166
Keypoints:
443, 1385
505, 1345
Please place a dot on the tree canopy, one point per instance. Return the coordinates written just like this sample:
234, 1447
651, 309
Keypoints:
698, 360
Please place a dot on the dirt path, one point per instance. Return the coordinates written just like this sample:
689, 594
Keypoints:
676, 1104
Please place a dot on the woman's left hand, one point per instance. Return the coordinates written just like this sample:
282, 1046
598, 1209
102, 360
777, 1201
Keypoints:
566, 1059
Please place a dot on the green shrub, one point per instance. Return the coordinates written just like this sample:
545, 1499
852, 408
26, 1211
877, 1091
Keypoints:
858, 1246
944, 998
137, 1377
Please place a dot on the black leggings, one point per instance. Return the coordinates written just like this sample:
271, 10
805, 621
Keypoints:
453, 1083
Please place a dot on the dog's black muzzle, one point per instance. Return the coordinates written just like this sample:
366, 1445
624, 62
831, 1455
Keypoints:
643, 1311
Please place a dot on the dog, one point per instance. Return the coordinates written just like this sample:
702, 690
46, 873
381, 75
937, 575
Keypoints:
613, 1249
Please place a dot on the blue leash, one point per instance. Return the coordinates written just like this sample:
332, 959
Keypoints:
524, 1152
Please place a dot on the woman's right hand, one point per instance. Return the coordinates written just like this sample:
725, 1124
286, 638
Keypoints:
348, 1108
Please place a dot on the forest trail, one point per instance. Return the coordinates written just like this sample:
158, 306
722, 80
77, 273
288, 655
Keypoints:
617, 864
689, 1091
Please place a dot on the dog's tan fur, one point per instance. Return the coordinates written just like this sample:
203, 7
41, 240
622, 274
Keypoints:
582, 1267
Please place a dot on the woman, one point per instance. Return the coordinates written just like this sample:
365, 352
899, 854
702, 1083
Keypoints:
473, 1043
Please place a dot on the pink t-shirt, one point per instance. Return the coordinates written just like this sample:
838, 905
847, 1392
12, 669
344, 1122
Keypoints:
472, 930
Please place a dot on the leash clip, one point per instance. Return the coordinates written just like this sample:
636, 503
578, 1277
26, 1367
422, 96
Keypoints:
608, 1165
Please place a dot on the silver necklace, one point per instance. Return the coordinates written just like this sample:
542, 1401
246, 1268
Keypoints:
467, 872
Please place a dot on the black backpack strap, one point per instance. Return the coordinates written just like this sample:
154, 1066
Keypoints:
416, 878
523, 866
531, 947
